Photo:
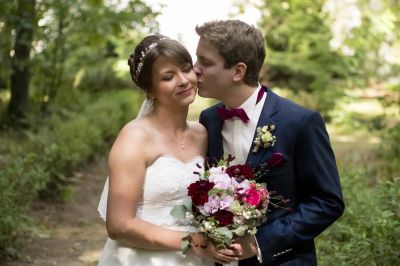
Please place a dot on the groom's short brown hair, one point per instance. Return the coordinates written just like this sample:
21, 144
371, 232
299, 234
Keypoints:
236, 42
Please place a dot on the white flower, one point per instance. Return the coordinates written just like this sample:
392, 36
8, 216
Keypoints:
239, 220
266, 137
217, 170
189, 216
207, 226
247, 215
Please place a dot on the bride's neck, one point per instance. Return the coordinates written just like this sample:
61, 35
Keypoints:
171, 119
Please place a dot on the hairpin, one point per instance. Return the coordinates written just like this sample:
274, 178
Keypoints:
142, 56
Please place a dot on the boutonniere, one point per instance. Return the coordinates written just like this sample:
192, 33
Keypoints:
264, 138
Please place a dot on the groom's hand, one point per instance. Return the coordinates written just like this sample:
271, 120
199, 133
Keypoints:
245, 246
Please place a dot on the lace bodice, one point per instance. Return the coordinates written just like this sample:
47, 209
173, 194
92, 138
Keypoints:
165, 186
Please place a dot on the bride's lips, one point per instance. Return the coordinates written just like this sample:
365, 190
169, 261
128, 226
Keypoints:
185, 92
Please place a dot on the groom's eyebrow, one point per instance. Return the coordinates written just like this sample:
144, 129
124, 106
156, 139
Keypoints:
202, 58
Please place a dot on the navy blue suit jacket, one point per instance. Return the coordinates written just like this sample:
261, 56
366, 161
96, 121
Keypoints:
309, 179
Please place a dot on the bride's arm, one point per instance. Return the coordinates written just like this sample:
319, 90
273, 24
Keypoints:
127, 166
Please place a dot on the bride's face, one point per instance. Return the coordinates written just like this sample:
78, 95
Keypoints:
173, 84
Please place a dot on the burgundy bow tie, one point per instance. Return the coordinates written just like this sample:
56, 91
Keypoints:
225, 114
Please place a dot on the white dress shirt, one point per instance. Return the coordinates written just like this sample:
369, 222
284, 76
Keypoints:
237, 136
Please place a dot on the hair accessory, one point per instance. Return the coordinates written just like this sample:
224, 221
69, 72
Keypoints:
142, 56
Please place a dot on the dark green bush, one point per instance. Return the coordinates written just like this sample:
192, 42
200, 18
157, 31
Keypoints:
369, 231
86, 134
391, 151
20, 182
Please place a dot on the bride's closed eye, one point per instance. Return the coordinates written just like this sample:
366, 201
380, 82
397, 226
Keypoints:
167, 77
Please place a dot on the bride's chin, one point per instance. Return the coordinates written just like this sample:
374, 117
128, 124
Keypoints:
189, 102
190, 98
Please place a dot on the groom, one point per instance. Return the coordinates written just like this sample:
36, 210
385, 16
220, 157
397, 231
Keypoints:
230, 55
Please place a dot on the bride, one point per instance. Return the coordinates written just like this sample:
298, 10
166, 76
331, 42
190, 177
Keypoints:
151, 164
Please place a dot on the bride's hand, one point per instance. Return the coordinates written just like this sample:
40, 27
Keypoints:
205, 248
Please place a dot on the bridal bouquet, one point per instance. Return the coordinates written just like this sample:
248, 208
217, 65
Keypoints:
227, 202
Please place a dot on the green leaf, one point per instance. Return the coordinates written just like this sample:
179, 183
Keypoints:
187, 203
240, 231
185, 244
225, 231
215, 191
179, 212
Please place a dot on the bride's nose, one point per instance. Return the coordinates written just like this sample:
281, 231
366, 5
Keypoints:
183, 79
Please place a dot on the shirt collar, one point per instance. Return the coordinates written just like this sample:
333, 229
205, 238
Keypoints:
250, 104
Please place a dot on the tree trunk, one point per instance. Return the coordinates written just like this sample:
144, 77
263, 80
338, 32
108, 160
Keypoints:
57, 57
20, 61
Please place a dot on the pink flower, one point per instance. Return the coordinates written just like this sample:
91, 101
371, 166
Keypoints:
252, 197
220, 179
212, 205
216, 203
242, 186
264, 194
226, 202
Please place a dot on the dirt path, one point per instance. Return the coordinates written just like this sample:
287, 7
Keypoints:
72, 234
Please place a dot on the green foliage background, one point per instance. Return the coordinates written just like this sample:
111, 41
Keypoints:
42, 162
79, 100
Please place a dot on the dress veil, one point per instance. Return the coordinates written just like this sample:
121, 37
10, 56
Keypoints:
146, 108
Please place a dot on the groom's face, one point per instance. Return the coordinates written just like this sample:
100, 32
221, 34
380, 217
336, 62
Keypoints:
214, 80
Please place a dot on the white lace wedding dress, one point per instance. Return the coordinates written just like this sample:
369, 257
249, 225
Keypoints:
165, 186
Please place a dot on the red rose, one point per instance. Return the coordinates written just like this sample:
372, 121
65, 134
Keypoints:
224, 217
252, 197
198, 191
240, 171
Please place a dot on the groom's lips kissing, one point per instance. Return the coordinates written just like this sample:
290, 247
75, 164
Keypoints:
199, 84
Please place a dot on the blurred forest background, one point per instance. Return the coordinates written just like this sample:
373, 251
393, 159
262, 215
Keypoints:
65, 92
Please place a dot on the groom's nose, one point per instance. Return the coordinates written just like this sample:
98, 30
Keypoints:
196, 68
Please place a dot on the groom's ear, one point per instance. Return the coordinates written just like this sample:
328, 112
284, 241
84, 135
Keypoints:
240, 71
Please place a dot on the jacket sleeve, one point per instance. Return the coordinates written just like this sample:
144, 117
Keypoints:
317, 182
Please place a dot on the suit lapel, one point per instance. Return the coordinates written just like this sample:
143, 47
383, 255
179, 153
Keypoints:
215, 147
270, 108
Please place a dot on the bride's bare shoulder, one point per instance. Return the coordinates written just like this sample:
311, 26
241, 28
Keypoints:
199, 134
137, 129
133, 137
197, 128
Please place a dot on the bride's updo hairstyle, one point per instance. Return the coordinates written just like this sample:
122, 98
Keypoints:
147, 51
